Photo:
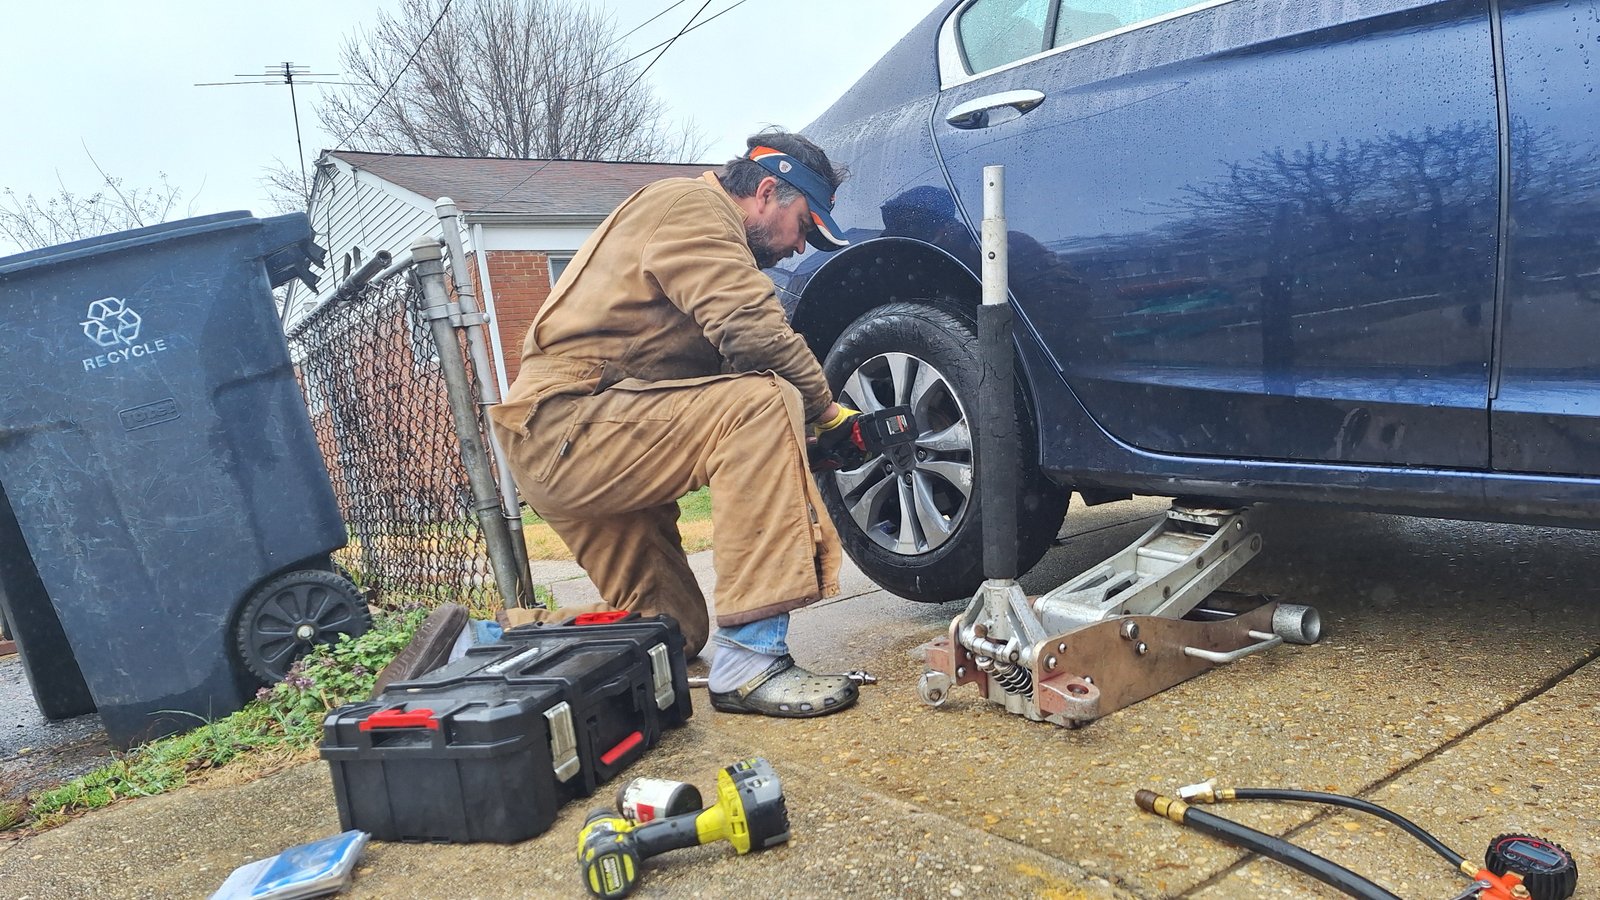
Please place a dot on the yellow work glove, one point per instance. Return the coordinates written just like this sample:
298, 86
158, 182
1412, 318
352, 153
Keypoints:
837, 443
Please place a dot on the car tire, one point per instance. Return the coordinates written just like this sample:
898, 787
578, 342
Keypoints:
926, 356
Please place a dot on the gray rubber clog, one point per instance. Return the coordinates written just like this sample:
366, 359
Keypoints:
787, 691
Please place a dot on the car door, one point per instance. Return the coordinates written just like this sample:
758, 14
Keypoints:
1244, 228
1546, 411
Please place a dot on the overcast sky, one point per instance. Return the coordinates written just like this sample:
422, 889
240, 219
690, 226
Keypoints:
118, 78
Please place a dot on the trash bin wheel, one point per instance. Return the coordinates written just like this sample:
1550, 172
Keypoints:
287, 616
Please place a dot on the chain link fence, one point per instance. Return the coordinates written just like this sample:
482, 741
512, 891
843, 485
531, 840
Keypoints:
375, 389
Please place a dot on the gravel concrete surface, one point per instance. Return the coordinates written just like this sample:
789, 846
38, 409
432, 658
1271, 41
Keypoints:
1456, 684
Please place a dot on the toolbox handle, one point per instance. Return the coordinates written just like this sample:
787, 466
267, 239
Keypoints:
400, 718
608, 617
622, 747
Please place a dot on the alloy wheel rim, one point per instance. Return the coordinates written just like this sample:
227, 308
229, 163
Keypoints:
910, 509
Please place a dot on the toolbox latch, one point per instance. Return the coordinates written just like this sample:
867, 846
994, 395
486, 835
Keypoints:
661, 672
563, 741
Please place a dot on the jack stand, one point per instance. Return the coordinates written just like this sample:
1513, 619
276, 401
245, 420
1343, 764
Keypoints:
1123, 631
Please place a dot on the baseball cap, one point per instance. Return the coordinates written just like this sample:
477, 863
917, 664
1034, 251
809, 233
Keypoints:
826, 234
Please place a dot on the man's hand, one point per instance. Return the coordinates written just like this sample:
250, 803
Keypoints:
835, 441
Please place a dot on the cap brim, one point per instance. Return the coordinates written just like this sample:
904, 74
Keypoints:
825, 234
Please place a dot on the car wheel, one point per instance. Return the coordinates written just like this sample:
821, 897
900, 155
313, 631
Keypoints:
918, 532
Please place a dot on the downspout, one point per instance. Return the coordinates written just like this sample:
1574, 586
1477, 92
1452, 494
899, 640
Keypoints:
489, 309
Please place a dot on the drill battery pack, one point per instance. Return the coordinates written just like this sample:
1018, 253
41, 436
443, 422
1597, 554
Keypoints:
490, 746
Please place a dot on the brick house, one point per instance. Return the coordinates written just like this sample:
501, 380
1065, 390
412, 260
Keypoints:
521, 222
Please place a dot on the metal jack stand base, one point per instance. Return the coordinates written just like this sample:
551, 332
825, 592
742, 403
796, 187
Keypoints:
1141, 622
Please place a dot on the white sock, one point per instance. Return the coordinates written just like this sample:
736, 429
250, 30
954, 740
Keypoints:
734, 665
462, 645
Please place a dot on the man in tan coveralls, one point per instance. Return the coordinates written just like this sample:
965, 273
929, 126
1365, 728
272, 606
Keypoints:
663, 362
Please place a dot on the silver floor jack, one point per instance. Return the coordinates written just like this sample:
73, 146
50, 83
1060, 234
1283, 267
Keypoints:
1144, 620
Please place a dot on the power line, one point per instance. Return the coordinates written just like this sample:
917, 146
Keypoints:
663, 45
681, 31
397, 76
668, 41
643, 24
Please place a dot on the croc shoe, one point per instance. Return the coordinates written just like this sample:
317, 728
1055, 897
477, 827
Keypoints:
429, 648
787, 691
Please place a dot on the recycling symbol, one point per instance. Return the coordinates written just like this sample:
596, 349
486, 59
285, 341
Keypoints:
111, 322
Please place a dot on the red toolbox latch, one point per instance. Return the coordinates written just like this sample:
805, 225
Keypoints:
398, 718
609, 617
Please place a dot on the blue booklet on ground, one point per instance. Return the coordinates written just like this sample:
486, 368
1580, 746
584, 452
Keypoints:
309, 870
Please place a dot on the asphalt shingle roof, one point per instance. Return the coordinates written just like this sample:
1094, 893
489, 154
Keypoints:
559, 187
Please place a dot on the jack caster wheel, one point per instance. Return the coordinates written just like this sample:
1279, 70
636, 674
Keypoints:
933, 688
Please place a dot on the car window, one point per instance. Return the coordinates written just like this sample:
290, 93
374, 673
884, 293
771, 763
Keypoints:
1079, 20
995, 32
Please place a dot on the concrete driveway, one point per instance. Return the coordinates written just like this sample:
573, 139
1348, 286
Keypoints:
1456, 684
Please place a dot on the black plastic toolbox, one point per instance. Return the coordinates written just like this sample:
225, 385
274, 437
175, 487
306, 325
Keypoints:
608, 684
658, 637
488, 747
468, 762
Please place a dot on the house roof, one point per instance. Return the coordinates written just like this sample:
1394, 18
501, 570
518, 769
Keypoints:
553, 187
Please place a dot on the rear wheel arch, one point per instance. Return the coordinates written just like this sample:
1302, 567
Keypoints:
871, 274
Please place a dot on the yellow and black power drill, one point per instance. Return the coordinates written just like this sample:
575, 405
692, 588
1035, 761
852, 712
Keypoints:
749, 813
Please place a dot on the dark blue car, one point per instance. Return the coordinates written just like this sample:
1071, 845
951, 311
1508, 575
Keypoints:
1260, 250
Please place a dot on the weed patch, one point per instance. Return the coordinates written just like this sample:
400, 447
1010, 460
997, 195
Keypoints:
283, 723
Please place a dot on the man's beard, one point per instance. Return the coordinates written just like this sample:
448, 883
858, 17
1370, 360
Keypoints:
759, 237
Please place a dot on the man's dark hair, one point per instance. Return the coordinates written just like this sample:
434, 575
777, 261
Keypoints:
741, 176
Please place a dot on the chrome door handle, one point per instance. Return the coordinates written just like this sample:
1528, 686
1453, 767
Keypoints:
994, 109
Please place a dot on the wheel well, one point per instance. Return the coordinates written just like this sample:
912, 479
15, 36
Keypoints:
871, 274
878, 272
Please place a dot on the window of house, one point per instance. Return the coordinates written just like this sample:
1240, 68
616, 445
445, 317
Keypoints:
558, 264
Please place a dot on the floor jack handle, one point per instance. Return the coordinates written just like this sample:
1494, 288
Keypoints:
997, 418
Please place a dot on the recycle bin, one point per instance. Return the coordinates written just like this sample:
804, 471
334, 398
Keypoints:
166, 517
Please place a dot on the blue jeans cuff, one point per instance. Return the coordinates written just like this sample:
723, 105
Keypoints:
768, 636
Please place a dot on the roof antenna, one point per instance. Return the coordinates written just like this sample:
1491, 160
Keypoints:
290, 74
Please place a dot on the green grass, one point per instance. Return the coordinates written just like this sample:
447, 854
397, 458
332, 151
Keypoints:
283, 723
694, 506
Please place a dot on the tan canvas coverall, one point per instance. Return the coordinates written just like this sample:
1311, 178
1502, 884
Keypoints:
663, 362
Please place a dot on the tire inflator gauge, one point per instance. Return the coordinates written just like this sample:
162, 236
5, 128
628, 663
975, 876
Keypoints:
1515, 867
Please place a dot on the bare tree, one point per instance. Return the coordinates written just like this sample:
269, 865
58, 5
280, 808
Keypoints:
30, 222
511, 78
286, 188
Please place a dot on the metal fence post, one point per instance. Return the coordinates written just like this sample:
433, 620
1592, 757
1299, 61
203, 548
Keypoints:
472, 320
438, 309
